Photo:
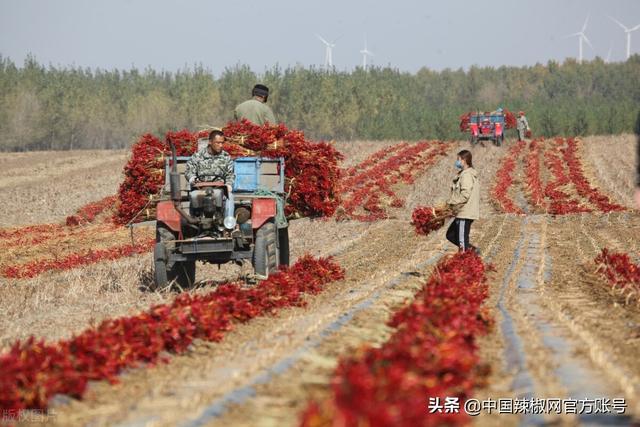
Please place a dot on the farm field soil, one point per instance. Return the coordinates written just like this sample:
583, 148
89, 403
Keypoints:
553, 317
43, 187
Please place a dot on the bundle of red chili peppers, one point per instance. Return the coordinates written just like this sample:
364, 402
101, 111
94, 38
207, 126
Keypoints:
622, 274
427, 219
311, 168
432, 354
33, 371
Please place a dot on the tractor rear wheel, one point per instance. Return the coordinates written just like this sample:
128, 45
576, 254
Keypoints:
265, 252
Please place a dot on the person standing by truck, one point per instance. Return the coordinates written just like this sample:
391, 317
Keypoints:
256, 109
465, 201
522, 124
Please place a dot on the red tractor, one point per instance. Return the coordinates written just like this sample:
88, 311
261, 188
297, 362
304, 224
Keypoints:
487, 126
208, 223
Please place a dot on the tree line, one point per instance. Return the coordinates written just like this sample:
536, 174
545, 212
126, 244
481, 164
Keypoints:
60, 108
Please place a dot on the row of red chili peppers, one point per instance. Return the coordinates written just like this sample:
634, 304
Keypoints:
504, 180
33, 371
36, 234
363, 191
566, 170
349, 175
534, 185
89, 212
581, 183
74, 260
432, 354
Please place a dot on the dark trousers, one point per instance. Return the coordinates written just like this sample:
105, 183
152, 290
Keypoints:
458, 233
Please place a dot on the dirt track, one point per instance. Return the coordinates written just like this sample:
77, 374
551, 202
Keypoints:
554, 322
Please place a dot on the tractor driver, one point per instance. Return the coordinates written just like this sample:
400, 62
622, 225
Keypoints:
209, 165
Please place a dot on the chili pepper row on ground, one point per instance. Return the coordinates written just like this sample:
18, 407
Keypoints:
560, 202
504, 180
432, 354
35, 234
89, 212
74, 260
534, 184
33, 371
364, 193
349, 175
581, 183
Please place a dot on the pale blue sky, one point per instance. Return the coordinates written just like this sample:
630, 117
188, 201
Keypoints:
406, 34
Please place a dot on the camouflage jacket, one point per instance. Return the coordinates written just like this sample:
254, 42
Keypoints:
209, 167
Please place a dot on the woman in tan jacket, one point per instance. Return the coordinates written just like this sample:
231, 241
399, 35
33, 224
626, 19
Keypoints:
465, 201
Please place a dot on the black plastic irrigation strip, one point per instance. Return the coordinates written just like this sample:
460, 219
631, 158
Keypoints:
514, 351
574, 372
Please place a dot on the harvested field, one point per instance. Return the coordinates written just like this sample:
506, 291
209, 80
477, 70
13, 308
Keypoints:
557, 329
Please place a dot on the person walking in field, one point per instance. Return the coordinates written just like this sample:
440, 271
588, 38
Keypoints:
256, 109
522, 124
464, 201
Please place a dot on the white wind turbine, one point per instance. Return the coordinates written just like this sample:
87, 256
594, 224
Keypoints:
581, 37
628, 31
608, 58
365, 52
328, 52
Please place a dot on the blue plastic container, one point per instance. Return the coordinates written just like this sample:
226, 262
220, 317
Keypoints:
256, 173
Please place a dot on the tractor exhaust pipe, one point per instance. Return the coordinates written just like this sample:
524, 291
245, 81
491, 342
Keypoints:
174, 186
